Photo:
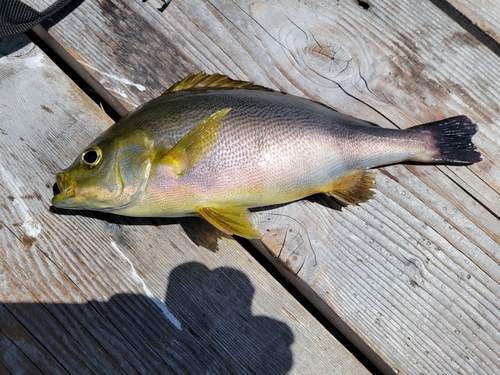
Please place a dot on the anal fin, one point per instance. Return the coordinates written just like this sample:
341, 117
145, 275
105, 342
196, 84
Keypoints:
231, 220
353, 187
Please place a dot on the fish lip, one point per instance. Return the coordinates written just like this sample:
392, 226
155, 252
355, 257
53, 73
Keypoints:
66, 190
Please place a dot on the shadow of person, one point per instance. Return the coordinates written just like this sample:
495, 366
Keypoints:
215, 307
129, 334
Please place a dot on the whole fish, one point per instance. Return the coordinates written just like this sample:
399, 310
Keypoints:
214, 147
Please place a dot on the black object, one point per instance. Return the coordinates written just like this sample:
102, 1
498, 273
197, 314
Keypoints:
16, 17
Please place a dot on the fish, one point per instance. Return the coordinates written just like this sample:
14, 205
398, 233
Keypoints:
215, 147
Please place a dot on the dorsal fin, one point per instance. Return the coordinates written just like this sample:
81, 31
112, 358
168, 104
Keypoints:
204, 81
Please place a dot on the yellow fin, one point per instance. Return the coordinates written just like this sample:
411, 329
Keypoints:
196, 144
231, 220
353, 187
204, 81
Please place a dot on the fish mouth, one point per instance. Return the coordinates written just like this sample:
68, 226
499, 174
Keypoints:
64, 190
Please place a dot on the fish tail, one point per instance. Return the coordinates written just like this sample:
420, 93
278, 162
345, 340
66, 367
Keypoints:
449, 140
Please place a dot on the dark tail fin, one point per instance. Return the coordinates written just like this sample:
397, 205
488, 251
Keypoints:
452, 138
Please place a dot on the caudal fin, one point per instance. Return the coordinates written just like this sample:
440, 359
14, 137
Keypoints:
452, 139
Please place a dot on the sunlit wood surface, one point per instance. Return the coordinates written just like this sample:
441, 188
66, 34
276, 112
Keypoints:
411, 277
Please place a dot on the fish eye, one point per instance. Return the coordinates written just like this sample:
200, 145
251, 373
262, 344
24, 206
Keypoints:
91, 157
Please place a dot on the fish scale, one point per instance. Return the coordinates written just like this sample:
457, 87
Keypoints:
214, 147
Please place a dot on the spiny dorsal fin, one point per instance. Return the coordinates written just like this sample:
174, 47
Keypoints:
204, 81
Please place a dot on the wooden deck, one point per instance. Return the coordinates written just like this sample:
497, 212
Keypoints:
412, 277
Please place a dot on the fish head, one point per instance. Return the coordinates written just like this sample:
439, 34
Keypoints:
109, 175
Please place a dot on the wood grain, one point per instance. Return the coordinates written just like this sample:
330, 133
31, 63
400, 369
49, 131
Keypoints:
85, 294
412, 276
483, 13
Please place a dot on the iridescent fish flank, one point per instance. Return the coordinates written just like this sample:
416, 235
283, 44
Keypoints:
214, 147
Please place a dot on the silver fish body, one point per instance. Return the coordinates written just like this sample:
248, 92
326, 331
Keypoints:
271, 146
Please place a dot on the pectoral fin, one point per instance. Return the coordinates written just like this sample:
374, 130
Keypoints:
231, 220
196, 144
353, 187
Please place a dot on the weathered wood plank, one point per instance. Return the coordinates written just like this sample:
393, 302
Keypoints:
412, 274
98, 294
483, 13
